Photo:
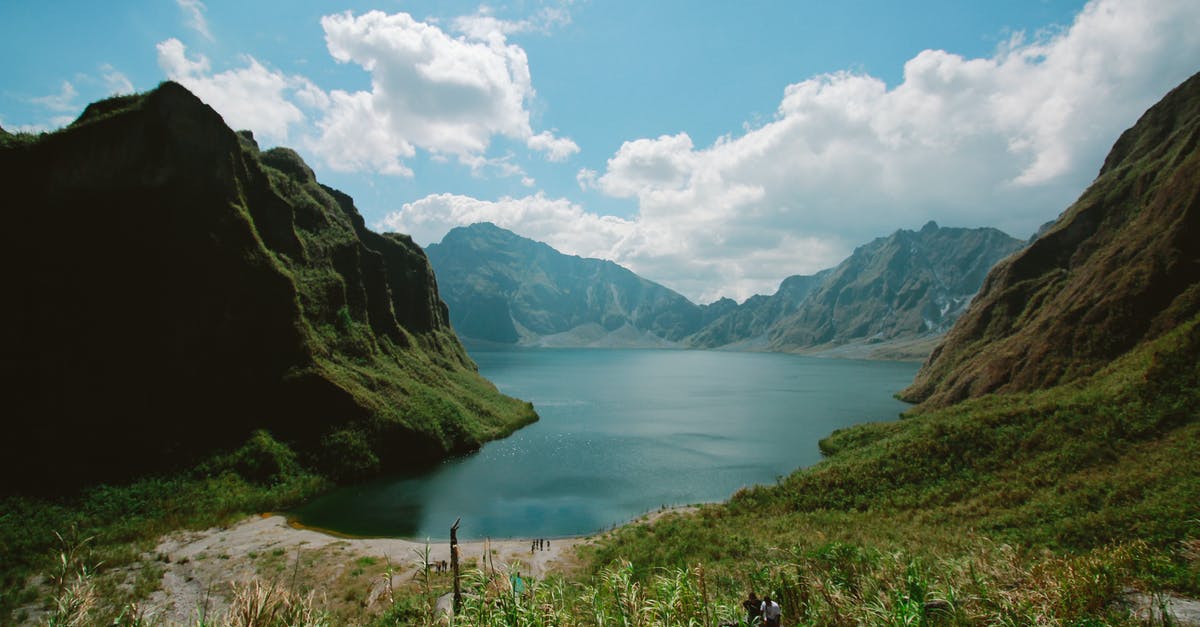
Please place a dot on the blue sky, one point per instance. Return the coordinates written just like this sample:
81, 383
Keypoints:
714, 147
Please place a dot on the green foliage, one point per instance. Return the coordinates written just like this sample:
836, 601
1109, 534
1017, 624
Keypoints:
347, 454
107, 527
344, 322
262, 459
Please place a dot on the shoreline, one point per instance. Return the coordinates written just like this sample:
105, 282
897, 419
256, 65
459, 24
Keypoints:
646, 516
200, 569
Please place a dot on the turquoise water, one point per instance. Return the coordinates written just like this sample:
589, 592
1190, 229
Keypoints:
623, 432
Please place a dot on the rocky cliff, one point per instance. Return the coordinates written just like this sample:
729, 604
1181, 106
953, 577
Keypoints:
907, 287
502, 287
747, 325
909, 284
1120, 267
172, 289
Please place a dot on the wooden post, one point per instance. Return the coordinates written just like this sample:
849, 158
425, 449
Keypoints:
454, 565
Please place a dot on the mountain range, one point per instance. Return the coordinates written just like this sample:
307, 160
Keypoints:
905, 288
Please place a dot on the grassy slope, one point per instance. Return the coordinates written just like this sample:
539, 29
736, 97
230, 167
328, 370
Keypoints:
1095, 480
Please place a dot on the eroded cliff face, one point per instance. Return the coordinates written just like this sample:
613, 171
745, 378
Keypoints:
172, 288
1120, 267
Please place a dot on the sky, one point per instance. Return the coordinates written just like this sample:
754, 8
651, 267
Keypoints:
713, 147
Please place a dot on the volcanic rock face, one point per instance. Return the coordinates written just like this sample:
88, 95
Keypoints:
172, 289
1119, 267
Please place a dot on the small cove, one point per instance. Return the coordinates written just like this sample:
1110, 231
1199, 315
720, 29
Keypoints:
622, 432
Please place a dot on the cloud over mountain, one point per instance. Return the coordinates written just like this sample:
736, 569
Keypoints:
1004, 141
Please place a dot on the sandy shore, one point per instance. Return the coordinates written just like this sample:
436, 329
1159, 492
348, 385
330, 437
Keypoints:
200, 568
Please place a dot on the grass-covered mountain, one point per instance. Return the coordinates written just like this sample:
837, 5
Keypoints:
502, 287
174, 291
910, 285
1119, 268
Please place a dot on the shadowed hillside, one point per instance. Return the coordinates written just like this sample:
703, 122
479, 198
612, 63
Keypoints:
171, 289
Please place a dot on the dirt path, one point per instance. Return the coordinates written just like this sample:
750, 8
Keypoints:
200, 568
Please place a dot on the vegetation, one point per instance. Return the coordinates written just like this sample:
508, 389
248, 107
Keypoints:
89, 539
210, 290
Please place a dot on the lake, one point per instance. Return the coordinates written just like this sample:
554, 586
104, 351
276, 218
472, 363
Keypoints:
622, 432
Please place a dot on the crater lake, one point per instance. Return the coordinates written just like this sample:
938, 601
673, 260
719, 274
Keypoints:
622, 432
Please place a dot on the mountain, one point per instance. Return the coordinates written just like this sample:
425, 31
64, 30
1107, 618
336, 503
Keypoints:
1119, 268
747, 324
910, 284
896, 291
502, 287
173, 290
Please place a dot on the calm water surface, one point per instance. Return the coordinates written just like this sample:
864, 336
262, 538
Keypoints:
623, 432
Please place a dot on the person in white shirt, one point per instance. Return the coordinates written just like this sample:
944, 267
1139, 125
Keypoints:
771, 612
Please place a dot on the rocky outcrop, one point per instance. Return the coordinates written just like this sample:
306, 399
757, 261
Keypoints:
1120, 267
172, 289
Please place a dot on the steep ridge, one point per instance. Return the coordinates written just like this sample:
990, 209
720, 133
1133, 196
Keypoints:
502, 287
172, 289
909, 284
1119, 268
747, 325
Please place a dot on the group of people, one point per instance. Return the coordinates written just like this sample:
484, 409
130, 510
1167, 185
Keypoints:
439, 567
539, 544
762, 612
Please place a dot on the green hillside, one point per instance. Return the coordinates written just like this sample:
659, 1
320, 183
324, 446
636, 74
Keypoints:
197, 330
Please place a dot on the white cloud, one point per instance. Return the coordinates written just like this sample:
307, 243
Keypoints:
429, 90
697, 267
485, 26
558, 222
194, 10
1005, 141
115, 82
557, 149
252, 97
61, 102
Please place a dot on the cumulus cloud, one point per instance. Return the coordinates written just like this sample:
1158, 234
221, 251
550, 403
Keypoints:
1006, 141
429, 90
251, 97
557, 149
559, 222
